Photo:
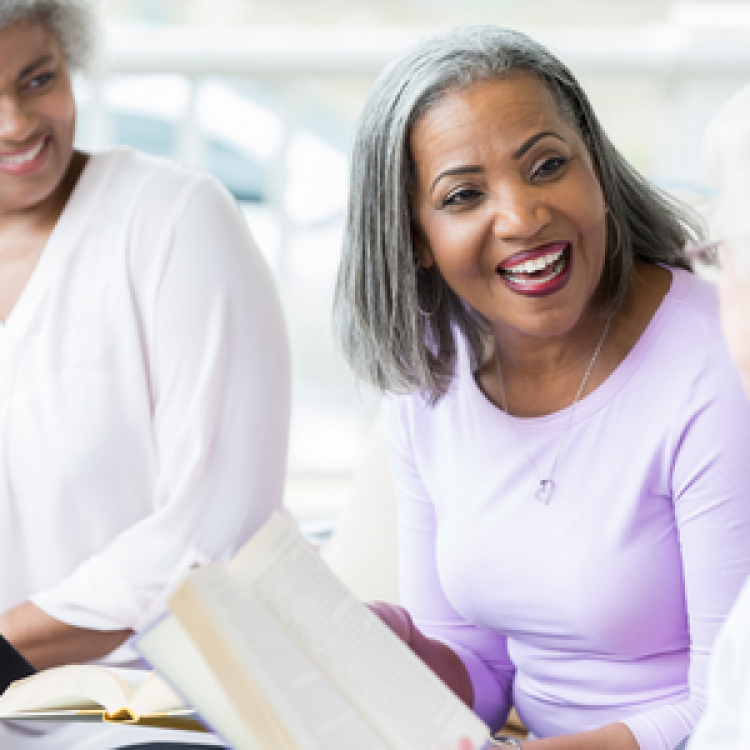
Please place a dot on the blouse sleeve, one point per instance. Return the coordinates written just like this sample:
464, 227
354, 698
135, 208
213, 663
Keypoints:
709, 473
217, 365
483, 653
726, 723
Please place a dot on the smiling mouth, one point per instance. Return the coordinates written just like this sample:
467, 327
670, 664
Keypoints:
542, 273
25, 157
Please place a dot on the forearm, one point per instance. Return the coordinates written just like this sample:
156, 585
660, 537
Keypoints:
611, 737
46, 642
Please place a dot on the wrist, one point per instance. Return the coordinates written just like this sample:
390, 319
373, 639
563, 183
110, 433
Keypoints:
503, 740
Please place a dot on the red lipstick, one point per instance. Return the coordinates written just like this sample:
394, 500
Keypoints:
538, 272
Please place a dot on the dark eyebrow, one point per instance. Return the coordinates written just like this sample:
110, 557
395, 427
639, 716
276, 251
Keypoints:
519, 152
36, 64
469, 169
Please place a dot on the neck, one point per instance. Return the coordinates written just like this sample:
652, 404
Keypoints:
40, 218
542, 375
23, 233
545, 359
537, 375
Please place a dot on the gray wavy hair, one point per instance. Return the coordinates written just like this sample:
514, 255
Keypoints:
379, 291
75, 23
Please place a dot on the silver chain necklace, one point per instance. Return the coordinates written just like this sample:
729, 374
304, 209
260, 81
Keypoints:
546, 487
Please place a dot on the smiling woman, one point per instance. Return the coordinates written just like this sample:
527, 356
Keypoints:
37, 123
540, 202
565, 426
144, 371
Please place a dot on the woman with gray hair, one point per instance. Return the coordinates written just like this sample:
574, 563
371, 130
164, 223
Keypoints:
567, 433
144, 370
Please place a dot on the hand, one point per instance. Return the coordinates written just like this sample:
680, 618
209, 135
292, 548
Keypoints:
436, 655
396, 618
734, 296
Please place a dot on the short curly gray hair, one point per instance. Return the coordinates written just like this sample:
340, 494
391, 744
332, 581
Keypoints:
75, 23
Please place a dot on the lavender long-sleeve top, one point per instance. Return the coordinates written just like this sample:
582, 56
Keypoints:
603, 605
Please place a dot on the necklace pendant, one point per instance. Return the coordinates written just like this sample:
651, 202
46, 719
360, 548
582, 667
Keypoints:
545, 491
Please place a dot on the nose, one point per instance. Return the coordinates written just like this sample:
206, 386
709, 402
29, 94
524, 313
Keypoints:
520, 213
16, 123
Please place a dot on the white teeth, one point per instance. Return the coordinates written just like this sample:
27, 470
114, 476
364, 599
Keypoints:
24, 158
556, 270
536, 264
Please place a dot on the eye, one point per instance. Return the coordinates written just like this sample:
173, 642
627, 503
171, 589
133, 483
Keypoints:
549, 167
462, 197
40, 81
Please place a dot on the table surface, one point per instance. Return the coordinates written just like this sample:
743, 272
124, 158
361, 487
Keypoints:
29, 735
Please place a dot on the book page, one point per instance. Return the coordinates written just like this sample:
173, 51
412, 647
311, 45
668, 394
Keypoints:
155, 696
77, 686
167, 647
267, 666
389, 685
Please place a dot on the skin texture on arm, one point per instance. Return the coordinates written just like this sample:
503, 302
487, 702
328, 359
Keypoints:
46, 642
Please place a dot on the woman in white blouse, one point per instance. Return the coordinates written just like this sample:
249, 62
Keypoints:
726, 722
144, 369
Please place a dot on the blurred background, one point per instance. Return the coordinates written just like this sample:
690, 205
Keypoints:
264, 94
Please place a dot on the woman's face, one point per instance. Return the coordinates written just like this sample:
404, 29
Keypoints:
508, 205
37, 117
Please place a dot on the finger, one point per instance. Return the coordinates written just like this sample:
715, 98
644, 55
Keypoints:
396, 618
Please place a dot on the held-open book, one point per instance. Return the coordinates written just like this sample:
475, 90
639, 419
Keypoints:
274, 652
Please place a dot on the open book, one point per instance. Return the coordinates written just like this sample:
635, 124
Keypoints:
92, 693
274, 652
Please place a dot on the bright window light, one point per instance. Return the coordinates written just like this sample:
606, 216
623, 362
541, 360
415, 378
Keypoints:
710, 15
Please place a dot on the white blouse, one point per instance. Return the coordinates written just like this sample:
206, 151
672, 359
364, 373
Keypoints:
144, 396
726, 723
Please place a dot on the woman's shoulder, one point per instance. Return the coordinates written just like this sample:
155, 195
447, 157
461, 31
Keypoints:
463, 394
151, 194
691, 344
685, 327
162, 213
694, 303
145, 175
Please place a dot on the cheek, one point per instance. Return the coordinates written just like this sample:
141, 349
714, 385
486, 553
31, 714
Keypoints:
455, 246
595, 250
62, 110
591, 217
68, 118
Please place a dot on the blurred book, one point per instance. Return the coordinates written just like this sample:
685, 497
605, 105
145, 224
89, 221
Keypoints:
273, 651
